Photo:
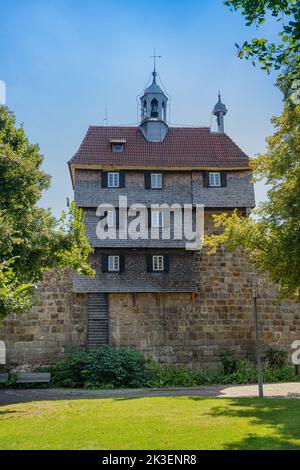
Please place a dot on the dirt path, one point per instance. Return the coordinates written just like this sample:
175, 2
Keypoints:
286, 390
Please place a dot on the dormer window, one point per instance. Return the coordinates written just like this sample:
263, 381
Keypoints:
117, 145
117, 148
154, 108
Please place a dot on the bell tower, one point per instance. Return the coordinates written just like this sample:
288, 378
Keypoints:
154, 111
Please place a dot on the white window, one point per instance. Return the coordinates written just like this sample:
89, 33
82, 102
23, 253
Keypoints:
157, 219
114, 263
110, 218
113, 180
214, 179
157, 263
156, 180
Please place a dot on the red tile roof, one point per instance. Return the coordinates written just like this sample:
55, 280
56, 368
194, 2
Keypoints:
182, 147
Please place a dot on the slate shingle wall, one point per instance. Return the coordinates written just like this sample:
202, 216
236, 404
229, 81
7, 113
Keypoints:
180, 278
179, 187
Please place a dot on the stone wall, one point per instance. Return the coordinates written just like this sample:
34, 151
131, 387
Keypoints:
56, 323
176, 328
190, 330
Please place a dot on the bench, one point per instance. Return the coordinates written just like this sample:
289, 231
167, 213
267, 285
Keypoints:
32, 377
3, 378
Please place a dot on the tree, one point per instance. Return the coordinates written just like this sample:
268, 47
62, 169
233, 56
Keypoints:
271, 239
271, 54
31, 239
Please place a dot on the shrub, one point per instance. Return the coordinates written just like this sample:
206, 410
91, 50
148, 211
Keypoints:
244, 373
229, 362
275, 358
282, 374
106, 367
172, 377
110, 367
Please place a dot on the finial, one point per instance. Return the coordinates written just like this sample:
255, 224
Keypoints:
219, 96
154, 57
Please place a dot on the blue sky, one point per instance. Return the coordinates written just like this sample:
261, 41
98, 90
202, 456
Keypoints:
64, 61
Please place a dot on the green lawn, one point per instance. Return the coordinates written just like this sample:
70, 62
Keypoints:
152, 423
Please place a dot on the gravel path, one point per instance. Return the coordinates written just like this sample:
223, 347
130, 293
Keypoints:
286, 390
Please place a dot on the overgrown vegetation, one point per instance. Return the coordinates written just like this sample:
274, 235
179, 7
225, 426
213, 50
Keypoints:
32, 240
111, 367
107, 367
271, 239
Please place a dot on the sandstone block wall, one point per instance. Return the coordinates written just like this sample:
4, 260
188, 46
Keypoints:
56, 323
189, 330
175, 328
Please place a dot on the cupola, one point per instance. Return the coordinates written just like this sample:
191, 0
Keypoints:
154, 112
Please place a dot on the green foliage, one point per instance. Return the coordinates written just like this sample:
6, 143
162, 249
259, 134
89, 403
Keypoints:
172, 377
110, 367
31, 239
244, 373
107, 367
275, 358
14, 296
282, 374
271, 238
271, 241
271, 54
229, 362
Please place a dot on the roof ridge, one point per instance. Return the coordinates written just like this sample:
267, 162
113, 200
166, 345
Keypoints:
133, 126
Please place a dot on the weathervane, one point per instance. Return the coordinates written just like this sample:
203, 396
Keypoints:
154, 57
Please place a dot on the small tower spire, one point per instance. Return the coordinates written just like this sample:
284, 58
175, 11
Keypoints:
219, 111
154, 109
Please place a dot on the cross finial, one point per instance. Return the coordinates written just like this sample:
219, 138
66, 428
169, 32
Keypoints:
154, 57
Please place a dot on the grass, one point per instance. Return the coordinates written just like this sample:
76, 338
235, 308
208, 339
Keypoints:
152, 423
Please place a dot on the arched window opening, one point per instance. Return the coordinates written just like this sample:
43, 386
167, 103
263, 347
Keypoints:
144, 108
154, 108
164, 111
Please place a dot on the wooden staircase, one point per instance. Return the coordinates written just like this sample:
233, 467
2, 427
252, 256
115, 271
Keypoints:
97, 321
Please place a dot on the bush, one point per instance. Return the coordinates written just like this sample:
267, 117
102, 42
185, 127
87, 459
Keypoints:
244, 373
107, 367
110, 367
275, 358
204, 378
229, 363
283, 374
172, 377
